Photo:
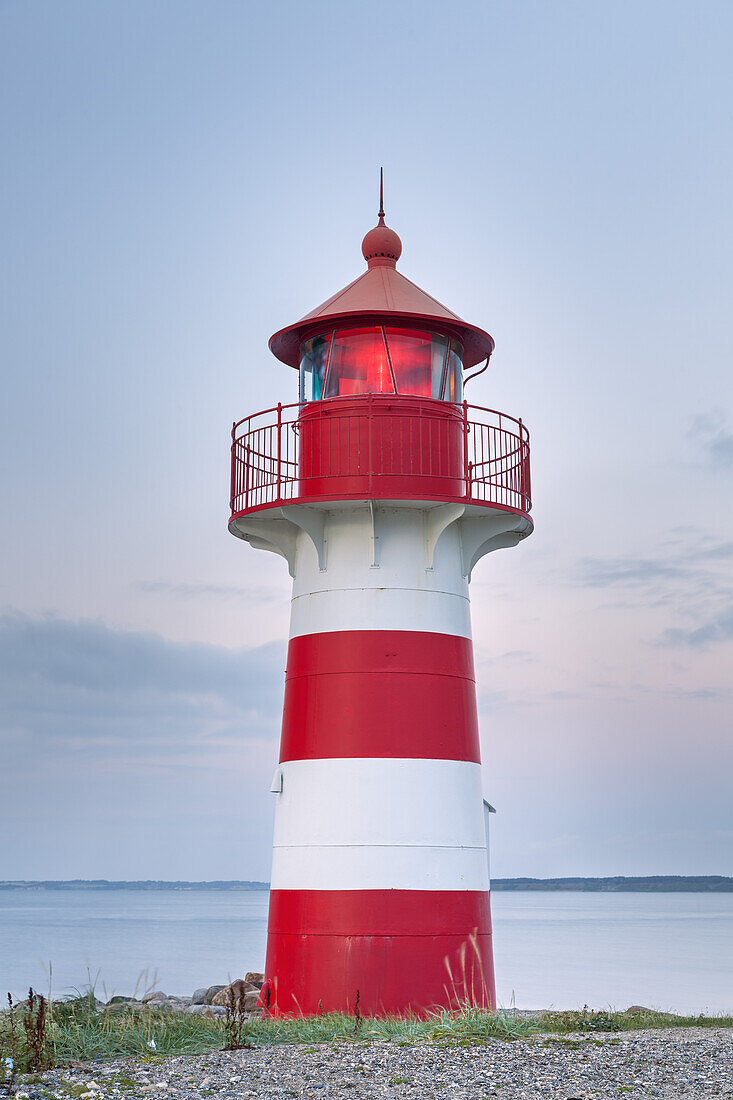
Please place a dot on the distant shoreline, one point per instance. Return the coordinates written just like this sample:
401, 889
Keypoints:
651, 884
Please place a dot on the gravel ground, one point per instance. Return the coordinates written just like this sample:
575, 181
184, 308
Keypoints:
689, 1063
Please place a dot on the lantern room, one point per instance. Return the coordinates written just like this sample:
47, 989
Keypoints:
381, 359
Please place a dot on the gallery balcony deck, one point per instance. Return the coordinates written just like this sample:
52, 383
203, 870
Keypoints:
379, 447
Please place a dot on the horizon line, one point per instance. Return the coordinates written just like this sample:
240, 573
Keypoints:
706, 883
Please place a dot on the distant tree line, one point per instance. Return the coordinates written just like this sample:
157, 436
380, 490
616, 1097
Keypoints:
147, 884
650, 884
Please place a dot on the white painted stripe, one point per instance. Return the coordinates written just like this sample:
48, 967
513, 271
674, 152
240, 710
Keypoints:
374, 868
380, 609
380, 801
378, 578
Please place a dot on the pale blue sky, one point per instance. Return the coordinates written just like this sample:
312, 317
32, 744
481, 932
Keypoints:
181, 179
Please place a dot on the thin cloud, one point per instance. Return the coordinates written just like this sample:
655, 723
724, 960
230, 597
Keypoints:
720, 551
709, 431
83, 682
193, 591
606, 572
679, 559
484, 657
718, 629
688, 578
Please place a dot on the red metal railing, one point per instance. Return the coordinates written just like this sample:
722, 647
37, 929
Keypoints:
339, 449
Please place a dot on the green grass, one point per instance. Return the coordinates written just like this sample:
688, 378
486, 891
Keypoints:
586, 1020
468, 1024
76, 1031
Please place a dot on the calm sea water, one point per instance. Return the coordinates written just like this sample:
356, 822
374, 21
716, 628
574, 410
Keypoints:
671, 951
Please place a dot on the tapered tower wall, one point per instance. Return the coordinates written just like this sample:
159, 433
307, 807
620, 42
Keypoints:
380, 873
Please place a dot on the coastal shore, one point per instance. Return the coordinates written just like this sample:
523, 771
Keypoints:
665, 1063
218, 1042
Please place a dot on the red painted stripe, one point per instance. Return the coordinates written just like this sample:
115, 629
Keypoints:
339, 651
373, 693
311, 969
379, 912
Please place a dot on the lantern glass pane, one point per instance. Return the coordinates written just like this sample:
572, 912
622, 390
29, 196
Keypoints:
359, 364
418, 359
313, 359
454, 380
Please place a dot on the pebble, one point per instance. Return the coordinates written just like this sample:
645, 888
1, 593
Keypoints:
687, 1063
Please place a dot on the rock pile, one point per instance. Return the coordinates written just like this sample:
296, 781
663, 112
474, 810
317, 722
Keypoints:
241, 995
208, 1001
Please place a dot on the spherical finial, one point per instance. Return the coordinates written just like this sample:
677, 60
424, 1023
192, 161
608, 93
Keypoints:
381, 244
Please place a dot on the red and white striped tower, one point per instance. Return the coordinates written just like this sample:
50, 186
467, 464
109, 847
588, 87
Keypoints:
382, 489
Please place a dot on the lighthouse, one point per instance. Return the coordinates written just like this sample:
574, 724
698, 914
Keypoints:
382, 489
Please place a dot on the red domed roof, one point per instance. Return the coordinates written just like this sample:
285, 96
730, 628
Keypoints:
381, 295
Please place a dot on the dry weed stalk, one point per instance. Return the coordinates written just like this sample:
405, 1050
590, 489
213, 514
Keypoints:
34, 1025
471, 998
235, 1022
10, 1083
